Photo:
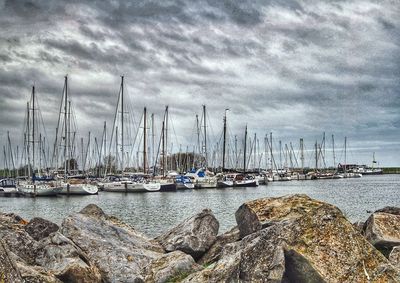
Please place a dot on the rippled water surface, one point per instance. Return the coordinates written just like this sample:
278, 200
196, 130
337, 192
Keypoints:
153, 213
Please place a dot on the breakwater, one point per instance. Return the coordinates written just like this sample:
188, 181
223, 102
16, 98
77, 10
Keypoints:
292, 238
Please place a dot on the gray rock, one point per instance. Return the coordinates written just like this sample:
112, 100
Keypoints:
214, 253
257, 258
16, 239
39, 228
193, 236
394, 257
297, 239
390, 209
8, 270
170, 267
359, 226
119, 252
60, 256
43, 261
383, 230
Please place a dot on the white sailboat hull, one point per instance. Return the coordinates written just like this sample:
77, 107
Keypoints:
130, 187
79, 189
39, 190
205, 184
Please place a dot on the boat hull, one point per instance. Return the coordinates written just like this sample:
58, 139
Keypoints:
122, 187
225, 184
79, 189
246, 183
39, 190
184, 186
168, 187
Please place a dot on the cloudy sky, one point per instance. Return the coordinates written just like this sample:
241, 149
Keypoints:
297, 68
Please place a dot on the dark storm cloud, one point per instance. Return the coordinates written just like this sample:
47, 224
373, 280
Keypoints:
297, 67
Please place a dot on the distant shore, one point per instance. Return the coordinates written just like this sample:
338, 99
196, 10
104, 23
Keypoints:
391, 170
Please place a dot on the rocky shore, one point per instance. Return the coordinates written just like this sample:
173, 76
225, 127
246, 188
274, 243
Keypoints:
287, 239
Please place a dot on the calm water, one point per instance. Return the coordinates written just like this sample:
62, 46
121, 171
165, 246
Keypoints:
153, 213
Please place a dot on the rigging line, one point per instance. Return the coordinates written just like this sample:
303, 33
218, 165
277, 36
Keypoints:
173, 130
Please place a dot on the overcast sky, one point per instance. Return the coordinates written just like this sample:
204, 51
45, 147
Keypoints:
297, 68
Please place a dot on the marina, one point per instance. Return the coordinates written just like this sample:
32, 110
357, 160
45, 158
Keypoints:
153, 213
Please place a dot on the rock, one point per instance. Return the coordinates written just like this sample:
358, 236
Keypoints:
257, 258
383, 230
193, 236
8, 270
255, 215
39, 228
35, 274
359, 226
394, 257
54, 256
297, 239
390, 209
214, 253
65, 260
118, 251
16, 239
170, 267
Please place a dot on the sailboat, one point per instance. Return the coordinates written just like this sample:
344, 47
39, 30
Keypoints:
39, 185
346, 173
128, 183
76, 184
202, 178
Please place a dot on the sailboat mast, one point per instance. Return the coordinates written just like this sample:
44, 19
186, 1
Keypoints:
144, 139
82, 156
152, 139
70, 147
163, 147
345, 154
373, 160
316, 156
205, 136
333, 151
280, 154
224, 145
302, 154
65, 125
116, 149
122, 123
28, 139
245, 150
166, 138
198, 133
270, 151
33, 128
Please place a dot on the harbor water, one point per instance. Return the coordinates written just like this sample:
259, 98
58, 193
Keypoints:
154, 213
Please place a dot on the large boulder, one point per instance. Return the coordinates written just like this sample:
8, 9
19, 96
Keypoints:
214, 253
170, 267
259, 257
119, 251
16, 239
8, 270
39, 228
194, 236
390, 209
21, 249
382, 229
52, 259
60, 256
297, 239
394, 257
